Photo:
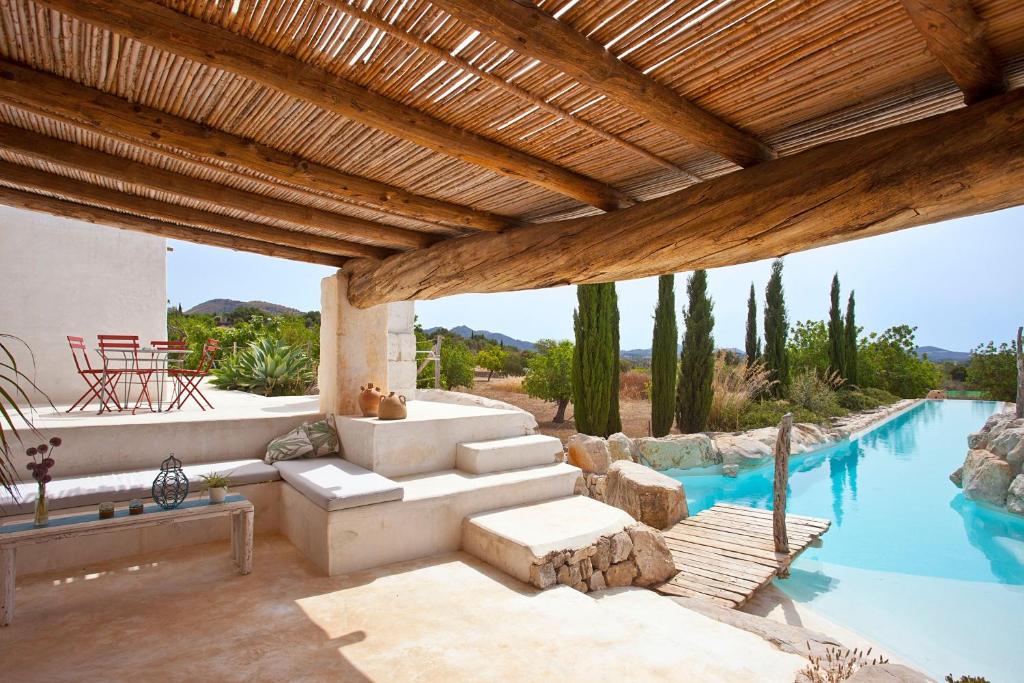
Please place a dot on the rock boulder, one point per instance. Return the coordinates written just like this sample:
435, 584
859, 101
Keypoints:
589, 453
677, 452
650, 553
620, 447
1006, 441
1015, 495
648, 496
742, 450
986, 477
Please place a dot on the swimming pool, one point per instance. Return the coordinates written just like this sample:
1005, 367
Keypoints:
909, 562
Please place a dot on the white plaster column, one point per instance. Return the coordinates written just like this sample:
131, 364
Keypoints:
353, 347
402, 349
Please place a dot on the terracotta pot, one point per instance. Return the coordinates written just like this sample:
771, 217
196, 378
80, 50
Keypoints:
392, 407
369, 399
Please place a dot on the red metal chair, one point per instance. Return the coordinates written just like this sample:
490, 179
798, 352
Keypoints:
188, 380
124, 349
94, 377
160, 373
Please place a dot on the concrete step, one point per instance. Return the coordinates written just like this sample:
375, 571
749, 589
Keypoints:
480, 457
515, 538
426, 440
427, 521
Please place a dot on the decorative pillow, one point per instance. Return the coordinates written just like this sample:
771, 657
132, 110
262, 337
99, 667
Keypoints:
308, 440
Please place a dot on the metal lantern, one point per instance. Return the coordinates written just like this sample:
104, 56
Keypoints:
171, 485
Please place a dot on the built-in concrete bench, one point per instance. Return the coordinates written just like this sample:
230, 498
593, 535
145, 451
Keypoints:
336, 484
92, 489
514, 453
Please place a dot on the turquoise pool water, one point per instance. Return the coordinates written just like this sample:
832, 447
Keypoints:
908, 562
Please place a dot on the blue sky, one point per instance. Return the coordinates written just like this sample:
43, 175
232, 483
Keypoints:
957, 281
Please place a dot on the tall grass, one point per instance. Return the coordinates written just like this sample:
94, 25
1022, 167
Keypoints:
511, 384
635, 385
816, 392
734, 388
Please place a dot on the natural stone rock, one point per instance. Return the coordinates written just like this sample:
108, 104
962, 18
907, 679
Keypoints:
557, 560
569, 575
580, 488
581, 586
986, 477
620, 574
731, 470
977, 440
648, 496
1006, 441
600, 486
1015, 495
1015, 458
621, 547
543, 575
589, 453
602, 556
740, 449
677, 452
597, 582
958, 477
620, 447
586, 569
579, 555
650, 553
887, 673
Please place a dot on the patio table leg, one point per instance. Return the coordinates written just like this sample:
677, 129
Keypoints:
245, 541
236, 534
7, 570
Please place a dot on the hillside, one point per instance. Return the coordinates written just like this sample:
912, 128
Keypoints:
937, 355
497, 337
224, 306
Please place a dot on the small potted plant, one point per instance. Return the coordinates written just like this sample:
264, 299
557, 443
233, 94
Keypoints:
217, 485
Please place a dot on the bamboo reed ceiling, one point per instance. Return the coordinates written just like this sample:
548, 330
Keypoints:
792, 74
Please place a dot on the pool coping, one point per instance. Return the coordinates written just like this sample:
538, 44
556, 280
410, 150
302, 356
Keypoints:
883, 421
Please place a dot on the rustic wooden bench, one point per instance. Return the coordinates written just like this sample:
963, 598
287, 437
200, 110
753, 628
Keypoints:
24, 533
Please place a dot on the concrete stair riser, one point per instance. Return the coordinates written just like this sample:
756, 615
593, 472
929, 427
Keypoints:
508, 454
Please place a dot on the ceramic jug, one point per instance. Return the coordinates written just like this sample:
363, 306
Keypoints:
369, 399
392, 407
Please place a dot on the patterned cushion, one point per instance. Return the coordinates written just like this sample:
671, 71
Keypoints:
308, 440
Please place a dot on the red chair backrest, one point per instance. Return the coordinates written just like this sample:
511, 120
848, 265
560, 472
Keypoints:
210, 350
120, 343
173, 344
78, 348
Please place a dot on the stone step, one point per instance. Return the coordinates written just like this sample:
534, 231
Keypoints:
480, 457
516, 538
426, 440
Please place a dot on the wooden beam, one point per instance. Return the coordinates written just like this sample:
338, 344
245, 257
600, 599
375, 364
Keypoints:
961, 163
533, 33
956, 37
71, 156
91, 214
522, 93
86, 193
204, 43
78, 105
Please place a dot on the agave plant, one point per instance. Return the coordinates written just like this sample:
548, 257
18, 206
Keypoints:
15, 402
267, 366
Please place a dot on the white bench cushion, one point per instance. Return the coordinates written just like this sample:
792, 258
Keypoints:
93, 489
336, 484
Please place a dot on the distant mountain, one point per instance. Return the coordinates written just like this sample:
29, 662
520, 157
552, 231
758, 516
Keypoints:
938, 355
640, 354
497, 337
225, 306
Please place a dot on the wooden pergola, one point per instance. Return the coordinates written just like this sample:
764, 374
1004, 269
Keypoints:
478, 146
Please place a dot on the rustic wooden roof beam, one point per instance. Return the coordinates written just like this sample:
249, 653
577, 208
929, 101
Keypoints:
965, 162
499, 82
92, 214
956, 37
86, 193
49, 95
210, 45
533, 33
84, 159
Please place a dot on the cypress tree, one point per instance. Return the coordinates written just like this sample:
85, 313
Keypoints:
697, 363
850, 329
776, 329
664, 364
836, 338
753, 343
614, 419
593, 360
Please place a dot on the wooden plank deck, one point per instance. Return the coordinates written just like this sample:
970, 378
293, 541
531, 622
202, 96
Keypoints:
724, 554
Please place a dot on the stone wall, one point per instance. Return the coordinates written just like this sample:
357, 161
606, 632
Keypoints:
636, 556
993, 471
402, 349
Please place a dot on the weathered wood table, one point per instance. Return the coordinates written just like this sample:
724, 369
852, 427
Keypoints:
24, 533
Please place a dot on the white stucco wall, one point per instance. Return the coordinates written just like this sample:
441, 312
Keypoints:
61, 277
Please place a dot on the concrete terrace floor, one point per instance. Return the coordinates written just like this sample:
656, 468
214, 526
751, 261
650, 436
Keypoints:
187, 614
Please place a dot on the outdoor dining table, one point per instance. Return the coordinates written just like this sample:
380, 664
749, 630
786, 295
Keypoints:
149, 359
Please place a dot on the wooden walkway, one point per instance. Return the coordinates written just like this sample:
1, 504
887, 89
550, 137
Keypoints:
726, 553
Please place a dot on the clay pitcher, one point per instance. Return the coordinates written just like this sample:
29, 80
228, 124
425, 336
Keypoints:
392, 407
369, 399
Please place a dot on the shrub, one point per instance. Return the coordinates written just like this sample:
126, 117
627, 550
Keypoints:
734, 388
768, 413
268, 367
549, 374
880, 395
457, 365
635, 385
994, 370
864, 399
816, 393
889, 361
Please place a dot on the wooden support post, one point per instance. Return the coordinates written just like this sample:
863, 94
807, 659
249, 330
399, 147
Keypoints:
1020, 372
437, 363
7, 572
782, 442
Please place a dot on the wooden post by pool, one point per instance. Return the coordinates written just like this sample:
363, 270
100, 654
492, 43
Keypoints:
781, 480
1020, 372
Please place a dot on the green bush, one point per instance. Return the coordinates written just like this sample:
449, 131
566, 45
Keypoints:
457, 364
268, 367
864, 399
768, 413
816, 393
